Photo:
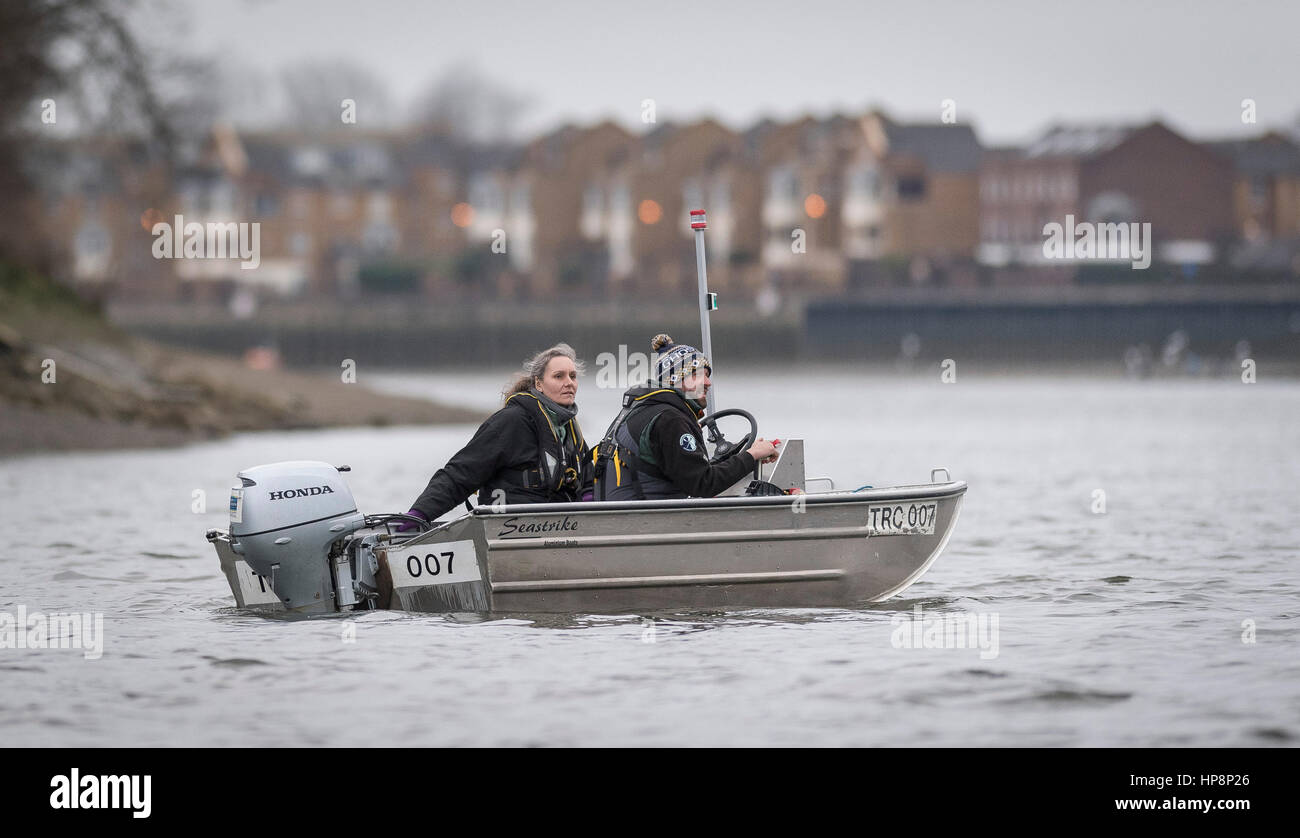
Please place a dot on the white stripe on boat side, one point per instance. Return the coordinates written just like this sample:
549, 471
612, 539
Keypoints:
570, 542
667, 581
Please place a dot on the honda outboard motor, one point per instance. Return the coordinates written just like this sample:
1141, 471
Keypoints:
286, 519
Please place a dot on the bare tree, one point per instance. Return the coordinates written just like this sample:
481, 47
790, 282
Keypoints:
249, 97
469, 106
85, 51
315, 90
59, 53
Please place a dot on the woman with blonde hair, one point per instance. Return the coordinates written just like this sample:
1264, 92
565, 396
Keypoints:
529, 451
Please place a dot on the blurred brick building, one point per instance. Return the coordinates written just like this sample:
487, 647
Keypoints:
1103, 174
1265, 202
813, 206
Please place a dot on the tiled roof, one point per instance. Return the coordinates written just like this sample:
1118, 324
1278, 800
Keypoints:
76, 166
1271, 154
335, 162
267, 157
501, 156
429, 149
944, 148
1078, 140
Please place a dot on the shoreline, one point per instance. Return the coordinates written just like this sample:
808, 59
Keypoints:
163, 396
139, 394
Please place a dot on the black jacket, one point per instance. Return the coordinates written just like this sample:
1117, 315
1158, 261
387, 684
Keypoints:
676, 464
507, 453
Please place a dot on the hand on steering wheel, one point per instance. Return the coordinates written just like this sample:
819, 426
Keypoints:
723, 448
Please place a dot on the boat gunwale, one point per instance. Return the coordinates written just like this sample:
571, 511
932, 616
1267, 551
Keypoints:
926, 491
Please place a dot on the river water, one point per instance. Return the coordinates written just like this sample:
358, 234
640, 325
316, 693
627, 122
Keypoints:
1136, 542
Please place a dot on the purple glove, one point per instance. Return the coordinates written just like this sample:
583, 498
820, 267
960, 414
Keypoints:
410, 525
588, 495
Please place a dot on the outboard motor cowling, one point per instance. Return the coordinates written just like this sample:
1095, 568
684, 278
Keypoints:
285, 519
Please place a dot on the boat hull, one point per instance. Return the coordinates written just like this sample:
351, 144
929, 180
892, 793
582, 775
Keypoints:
831, 549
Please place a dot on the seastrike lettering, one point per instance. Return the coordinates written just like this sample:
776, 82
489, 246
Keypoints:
302, 493
511, 529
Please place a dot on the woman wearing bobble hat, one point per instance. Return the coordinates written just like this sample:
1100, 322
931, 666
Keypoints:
655, 447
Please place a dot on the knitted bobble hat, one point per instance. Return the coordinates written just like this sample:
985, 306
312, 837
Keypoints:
675, 362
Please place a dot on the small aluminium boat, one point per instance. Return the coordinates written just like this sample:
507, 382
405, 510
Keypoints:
297, 541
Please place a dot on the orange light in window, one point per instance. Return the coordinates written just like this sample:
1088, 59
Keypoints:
150, 217
814, 205
649, 212
462, 215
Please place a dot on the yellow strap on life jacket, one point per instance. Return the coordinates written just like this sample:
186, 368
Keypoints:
542, 410
654, 393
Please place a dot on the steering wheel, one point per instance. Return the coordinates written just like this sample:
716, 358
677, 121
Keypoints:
723, 448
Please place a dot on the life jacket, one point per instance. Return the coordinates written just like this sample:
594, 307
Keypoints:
559, 472
622, 473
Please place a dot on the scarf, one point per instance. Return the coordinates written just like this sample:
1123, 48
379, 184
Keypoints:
560, 415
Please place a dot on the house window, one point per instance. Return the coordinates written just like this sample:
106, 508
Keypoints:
1258, 193
92, 241
783, 185
191, 199
620, 199
863, 183
379, 206
310, 161
593, 199
521, 198
911, 188
265, 205
693, 193
371, 162
720, 197
485, 193
379, 237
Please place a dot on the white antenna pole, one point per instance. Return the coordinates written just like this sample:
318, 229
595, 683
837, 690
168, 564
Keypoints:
708, 302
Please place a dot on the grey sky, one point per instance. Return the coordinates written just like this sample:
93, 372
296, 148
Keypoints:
1012, 67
